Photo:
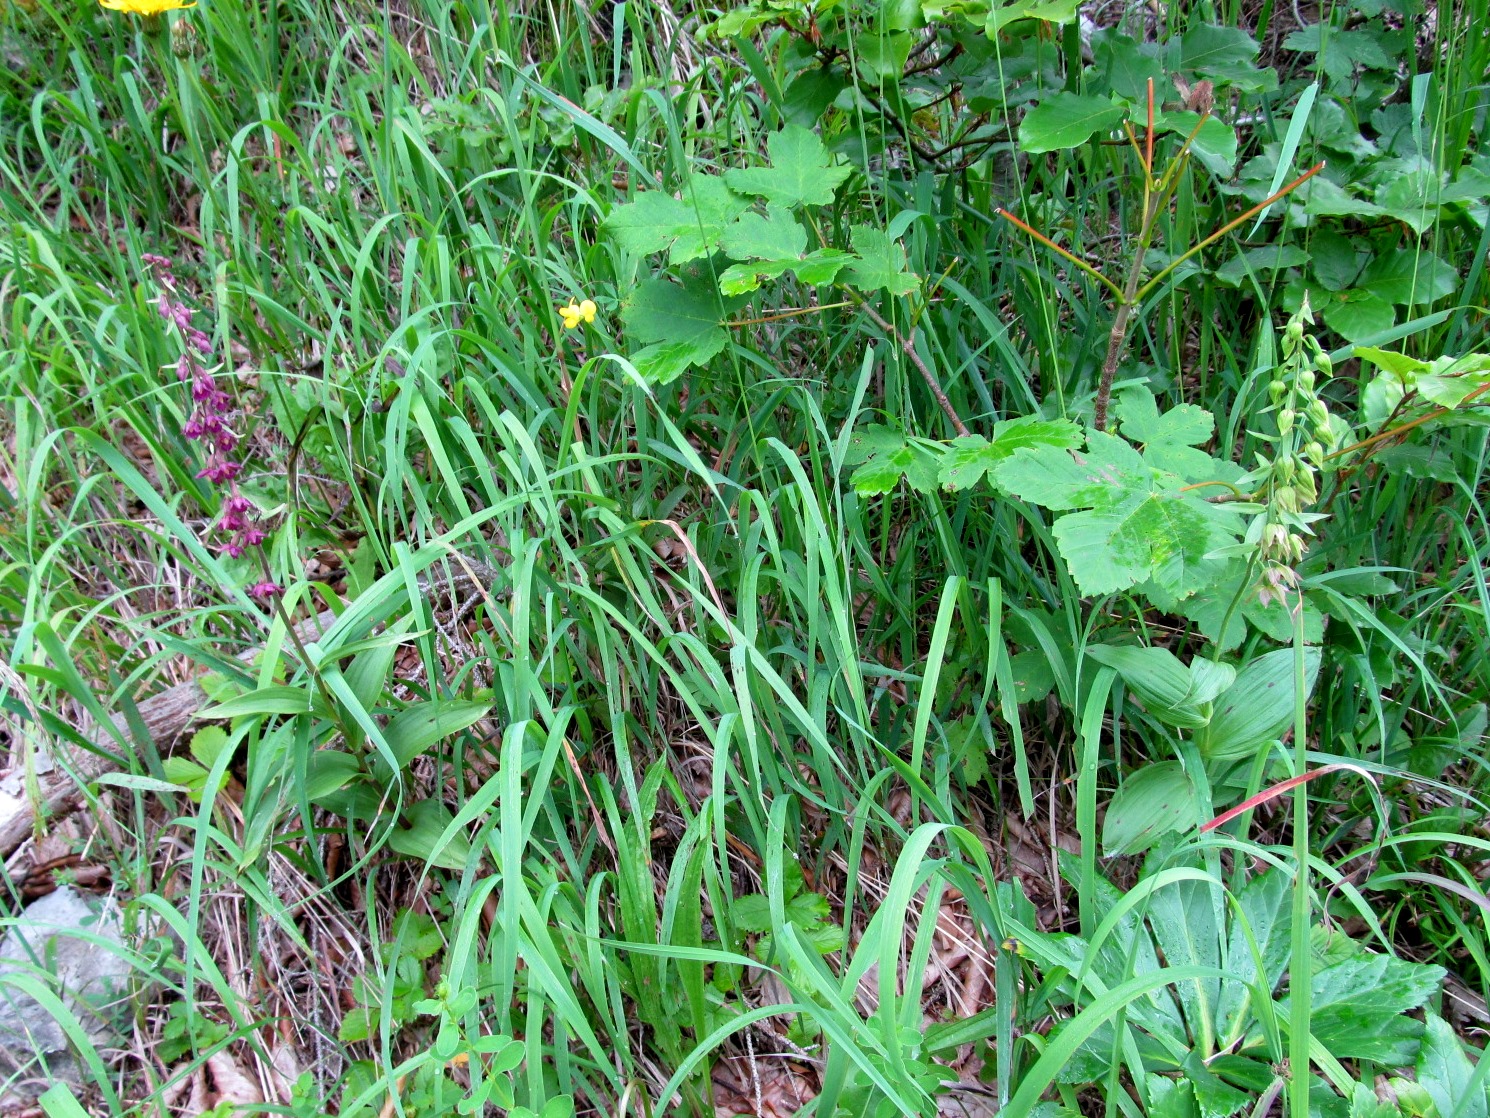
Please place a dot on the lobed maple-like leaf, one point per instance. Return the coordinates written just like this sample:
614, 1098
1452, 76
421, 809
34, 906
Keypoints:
971, 457
1136, 522
881, 262
1170, 439
801, 172
688, 227
884, 456
684, 322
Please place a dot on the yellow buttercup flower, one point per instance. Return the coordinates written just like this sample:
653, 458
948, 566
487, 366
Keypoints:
145, 7
574, 312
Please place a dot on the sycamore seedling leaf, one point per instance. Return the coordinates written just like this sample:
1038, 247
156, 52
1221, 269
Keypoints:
814, 269
801, 172
689, 226
881, 262
772, 244
1169, 439
684, 323
738, 279
822, 266
663, 311
971, 457
1137, 521
774, 235
884, 456
649, 224
665, 362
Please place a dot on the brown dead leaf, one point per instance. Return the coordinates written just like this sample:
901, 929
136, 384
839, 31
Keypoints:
230, 1084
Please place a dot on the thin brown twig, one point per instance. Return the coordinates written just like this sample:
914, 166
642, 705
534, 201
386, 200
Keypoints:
908, 346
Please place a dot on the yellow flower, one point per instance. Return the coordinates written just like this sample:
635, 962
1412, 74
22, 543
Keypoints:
574, 312
145, 7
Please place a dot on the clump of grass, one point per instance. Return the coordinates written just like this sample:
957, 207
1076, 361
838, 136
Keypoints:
605, 747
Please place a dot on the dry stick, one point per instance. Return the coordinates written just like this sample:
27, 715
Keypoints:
908, 345
1132, 293
164, 716
1117, 338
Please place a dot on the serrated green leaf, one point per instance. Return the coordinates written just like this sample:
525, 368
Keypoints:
1213, 1095
1413, 199
774, 235
1445, 1073
801, 172
207, 744
360, 1023
1358, 1006
1138, 412
741, 279
821, 266
886, 457
866, 442
816, 268
1324, 198
1142, 524
1148, 535
648, 224
417, 934
661, 311
689, 226
883, 472
1169, 1098
971, 457
881, 262
751, 913
186, 774
665, 362
1058, 480
1264, 917
1067, 120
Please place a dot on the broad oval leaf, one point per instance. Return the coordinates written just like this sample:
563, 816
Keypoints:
1067, 120
428, 820
413, 730
1258, 706
275, 699
328, 771
1159, 680
1154, 801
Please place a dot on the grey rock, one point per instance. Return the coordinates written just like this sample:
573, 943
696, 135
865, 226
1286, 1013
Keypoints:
73, 946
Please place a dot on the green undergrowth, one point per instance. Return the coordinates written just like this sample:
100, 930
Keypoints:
839, 558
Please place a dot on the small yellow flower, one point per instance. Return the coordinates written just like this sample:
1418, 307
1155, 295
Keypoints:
574, 312
145, 7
